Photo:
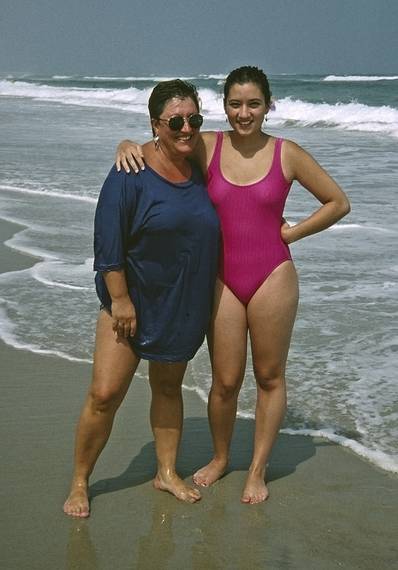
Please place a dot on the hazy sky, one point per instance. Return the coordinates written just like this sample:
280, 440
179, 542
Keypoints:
127, 37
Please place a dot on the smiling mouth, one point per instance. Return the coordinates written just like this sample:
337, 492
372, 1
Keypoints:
184, 139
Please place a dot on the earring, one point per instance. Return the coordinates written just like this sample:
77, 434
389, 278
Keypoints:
156, 142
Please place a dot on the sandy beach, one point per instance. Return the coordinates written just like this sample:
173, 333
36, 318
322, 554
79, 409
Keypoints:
328, 508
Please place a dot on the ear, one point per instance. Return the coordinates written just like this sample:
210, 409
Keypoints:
155, 127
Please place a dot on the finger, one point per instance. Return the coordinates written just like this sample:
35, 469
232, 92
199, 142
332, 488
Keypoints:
133, 328
125, 164
117, 163
114, 325
140, 157
126, 330
120, 328
131, 159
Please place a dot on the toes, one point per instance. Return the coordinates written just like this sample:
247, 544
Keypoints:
188, 496
81, 511
198, 480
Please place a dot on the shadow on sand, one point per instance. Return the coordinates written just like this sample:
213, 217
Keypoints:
196, 450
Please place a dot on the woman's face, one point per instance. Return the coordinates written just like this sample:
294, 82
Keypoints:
182, 141
245, 108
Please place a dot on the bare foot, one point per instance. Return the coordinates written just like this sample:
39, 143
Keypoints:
177, 487
255, 491
77, 504
210, 473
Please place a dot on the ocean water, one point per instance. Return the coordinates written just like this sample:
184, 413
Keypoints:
58, 138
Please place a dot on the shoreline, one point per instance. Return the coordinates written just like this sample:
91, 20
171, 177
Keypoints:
14, 260
328, 507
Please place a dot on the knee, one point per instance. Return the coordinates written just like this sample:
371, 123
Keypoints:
225, 388
270, 379
104, 399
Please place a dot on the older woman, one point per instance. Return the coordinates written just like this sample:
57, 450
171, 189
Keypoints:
249, 176
156, 242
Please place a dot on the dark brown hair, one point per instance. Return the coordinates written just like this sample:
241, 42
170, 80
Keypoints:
248, 74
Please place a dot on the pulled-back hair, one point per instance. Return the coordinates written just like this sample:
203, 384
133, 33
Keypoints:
166, 90
248, 74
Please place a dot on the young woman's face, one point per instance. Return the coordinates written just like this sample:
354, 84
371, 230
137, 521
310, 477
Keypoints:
245, 108
182, 141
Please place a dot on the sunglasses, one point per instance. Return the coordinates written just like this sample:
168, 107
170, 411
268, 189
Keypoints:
177, 122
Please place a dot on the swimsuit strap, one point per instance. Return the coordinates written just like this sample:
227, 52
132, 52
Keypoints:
276, 165
276, 159
216, 158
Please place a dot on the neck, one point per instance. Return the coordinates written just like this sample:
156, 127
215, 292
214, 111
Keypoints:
248, 140
166, 157
174, 167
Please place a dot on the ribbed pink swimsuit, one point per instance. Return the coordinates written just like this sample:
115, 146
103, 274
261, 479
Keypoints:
251, 218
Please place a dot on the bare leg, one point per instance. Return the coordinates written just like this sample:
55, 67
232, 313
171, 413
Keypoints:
228, 351
166, 420
114, 366
271, 313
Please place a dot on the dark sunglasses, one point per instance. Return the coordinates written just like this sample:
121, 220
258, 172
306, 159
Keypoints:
177, 122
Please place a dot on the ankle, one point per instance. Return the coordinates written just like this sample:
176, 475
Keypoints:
166, 473
80, 483
257, 471
221, 460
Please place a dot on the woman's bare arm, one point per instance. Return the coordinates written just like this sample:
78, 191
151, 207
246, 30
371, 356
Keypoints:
129, 154
301, 166
123, 312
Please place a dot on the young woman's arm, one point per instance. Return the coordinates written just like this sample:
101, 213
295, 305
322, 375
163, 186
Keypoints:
129, 154
299, 165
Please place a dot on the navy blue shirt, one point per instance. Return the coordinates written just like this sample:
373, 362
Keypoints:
165, 236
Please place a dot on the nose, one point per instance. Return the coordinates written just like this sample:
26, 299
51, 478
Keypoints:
186, 128
244, 111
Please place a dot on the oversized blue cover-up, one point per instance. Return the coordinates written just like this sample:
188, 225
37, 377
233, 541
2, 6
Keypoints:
165, 236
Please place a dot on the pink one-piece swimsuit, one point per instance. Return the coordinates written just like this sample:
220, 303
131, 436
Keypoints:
251, 218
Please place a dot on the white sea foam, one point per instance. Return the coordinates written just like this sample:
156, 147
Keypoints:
153, 78
379, 458
361, 78
41, 271
349, 116
221, 76
52, 193
7, 335
345, 227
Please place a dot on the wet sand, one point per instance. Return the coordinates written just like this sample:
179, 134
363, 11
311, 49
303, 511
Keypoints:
328, 508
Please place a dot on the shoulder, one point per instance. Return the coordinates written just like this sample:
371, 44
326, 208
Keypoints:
206, 147
209, 138
292, 157
119, 184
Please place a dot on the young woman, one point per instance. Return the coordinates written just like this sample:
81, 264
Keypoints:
156, 248
249, 175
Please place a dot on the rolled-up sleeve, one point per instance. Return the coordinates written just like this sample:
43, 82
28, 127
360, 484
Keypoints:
111, 222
